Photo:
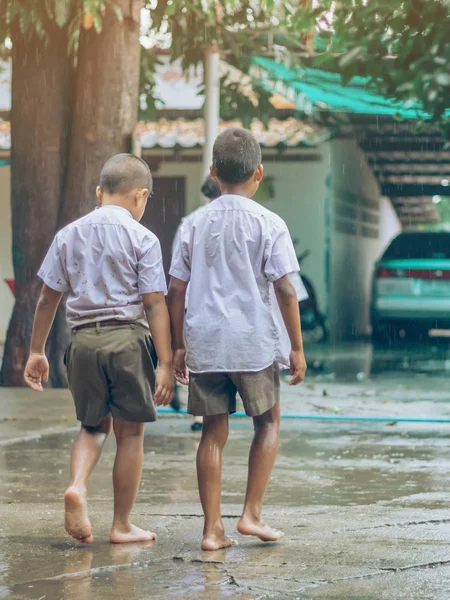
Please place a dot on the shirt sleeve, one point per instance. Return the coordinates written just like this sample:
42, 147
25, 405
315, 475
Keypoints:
280, 256
151, 277
53, 272
180, 267
300, 289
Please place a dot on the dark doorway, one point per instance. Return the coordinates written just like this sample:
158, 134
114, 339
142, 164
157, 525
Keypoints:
164, 211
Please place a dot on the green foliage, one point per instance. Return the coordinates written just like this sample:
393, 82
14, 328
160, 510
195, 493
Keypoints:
33, 16
403, 46
148, 98
233, 103
236, 28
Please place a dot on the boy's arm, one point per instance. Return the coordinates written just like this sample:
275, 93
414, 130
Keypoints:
288, 303
158, 320
177, 303
37, 368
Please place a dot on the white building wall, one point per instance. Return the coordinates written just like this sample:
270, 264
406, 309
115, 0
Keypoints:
300, 193
355, 239
390, 225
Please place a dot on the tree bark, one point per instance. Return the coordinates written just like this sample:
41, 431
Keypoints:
106, 103
40, 71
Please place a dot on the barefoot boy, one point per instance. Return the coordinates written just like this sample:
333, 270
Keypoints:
111, 268
238, 258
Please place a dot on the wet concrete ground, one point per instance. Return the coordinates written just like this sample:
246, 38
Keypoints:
364, 505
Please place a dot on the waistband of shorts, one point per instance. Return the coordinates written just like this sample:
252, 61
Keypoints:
98, 325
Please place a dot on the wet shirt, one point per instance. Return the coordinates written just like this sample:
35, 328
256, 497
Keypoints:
230, 253
296, 280
105, 261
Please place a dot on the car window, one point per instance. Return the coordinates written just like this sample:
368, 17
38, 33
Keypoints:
420, 246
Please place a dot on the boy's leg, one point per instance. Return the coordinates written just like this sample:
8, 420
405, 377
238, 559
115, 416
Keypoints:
209, 472
86, 451
262, 458
126, 478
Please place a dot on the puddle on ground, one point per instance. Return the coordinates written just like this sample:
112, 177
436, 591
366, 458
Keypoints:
317, 464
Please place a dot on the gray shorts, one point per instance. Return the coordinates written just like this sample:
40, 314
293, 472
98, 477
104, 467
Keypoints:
110, 371
215, 393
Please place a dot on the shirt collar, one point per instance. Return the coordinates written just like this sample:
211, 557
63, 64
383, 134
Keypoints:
116, 207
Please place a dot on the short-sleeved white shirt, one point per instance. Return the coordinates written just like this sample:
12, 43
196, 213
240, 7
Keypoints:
105, 261
231, 252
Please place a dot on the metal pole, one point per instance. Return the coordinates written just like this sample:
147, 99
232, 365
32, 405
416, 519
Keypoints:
212, 103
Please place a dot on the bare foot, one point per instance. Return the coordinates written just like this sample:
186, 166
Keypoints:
76, 515
211, 542
130, 534
265, 533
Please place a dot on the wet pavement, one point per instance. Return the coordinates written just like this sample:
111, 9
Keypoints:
364, 505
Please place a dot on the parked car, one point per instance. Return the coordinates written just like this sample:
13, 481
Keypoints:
411, 286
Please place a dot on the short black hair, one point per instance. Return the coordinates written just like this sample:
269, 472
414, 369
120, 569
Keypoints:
211, 188
123, 173
236, 156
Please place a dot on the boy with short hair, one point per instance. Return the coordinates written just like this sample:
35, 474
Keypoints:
210, 190
111, 268
237, 258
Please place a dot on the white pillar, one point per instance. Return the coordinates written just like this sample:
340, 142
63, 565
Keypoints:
212, 104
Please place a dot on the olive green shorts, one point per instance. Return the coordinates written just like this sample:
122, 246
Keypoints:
215, 393
111, 371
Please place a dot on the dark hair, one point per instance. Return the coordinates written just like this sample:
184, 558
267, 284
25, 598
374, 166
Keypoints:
236, 156
123, 173
211, 188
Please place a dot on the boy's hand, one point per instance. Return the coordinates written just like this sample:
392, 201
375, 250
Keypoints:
298, 366
179, 367
164, 385
36, 371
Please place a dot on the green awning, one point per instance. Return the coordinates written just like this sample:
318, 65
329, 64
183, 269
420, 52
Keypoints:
313, 89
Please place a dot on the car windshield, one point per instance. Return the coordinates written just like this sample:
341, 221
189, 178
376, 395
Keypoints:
420, 246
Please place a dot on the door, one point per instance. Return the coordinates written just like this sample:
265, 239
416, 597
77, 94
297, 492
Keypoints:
164, 211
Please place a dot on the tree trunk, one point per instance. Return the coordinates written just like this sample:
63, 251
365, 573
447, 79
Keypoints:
106, 103
40, 71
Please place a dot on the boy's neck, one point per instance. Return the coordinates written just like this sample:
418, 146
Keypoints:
117, 200
236, 190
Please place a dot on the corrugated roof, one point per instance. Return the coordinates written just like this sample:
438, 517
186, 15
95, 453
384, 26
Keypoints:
313, 88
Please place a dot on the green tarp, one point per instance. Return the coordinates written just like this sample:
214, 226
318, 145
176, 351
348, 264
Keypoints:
311, 89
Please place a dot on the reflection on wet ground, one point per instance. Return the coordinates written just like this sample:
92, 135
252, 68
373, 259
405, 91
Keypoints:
364, 505
359, 361
327, 479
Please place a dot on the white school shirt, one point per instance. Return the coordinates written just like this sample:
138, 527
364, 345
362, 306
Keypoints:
105, 261
296, 280
230, 253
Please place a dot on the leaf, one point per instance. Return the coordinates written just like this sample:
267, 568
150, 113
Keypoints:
442, 79
62, 9
88, 22
171, 8
350, 56
98, 23
119, 14
408, 86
